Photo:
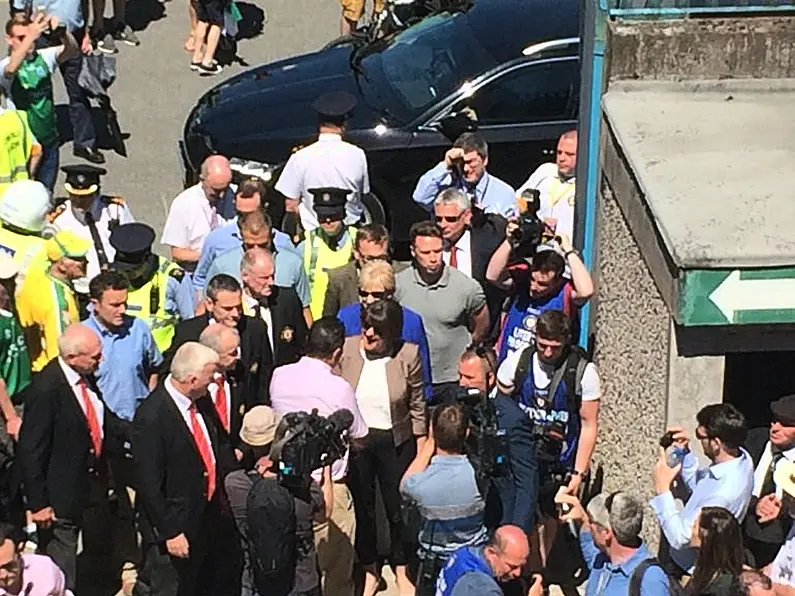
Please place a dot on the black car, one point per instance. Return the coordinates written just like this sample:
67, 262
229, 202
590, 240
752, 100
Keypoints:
514, 62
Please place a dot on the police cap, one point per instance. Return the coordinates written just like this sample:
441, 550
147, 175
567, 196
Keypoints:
133, 244
336, 104
82, 179
329, 203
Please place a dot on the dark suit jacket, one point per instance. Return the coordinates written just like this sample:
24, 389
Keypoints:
255, 353
773, 532
55, 454
484, 240
289, 327
514, 499
171, 486
404, 382
343, 286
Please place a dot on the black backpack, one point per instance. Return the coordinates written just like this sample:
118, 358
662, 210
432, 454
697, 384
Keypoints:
571, 373
272, 544
674, 587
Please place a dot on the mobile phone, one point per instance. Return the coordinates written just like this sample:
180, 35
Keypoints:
667, 440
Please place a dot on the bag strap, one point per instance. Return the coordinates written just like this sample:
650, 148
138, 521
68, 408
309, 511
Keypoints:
637, 575
522, 369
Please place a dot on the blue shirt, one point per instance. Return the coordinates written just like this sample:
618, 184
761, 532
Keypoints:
728, 485
491, 194
413, 332
609, 579
449, 503
467, 573
179, 297
129, 357
224, 239
289, 270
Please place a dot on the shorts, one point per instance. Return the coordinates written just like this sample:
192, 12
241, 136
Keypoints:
353, 10
210, 11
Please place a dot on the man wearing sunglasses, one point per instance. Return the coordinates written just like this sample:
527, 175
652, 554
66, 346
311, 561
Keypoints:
728, 481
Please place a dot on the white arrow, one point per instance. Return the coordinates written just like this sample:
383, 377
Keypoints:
735, 294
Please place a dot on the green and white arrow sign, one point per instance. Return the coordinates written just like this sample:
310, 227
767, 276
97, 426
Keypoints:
737, 297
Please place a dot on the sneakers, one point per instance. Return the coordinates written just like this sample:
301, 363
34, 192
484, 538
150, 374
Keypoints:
107, 45
128, 36
207, 71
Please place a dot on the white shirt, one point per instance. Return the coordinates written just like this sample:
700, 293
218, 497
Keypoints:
463, 255
557, 196
330, 162
542, 375
372, 393
213, 389
104, 214
183, 405
263, 313
782, 570
190, 219
73, 378
765, 461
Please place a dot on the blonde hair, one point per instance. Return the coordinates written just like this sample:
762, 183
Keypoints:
377, 272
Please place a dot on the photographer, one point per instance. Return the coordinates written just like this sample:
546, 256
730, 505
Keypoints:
558, 388
27, 80
261, 428
440, 482
515, 492
464, 168
544, 288
611, 545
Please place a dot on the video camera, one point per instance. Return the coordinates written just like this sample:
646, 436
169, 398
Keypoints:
487, 445
310, 442
530, 233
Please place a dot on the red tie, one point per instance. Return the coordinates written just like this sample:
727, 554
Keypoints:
220, 401
454, 257
91, 418
204, 450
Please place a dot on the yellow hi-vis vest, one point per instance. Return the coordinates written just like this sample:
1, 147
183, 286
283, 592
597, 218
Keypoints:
318, 259
16, 142
150, 296
27, 250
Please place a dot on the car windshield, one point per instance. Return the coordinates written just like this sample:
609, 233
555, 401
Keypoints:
425, 63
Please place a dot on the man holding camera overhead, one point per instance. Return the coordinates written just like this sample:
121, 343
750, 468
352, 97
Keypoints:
464, 168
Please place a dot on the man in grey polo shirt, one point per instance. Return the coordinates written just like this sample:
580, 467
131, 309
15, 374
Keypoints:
452, 306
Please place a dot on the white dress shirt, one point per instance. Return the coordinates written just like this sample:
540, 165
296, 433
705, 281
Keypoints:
765, 461
556, 195
263, 313
183, 405
372, 393
213, 389
463, 254
73, 378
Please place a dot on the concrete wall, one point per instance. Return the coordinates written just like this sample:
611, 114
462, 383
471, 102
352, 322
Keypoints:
632, 350
703, 48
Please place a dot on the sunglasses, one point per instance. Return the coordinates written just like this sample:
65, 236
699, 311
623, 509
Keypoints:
380, 295
247, 246
447, 218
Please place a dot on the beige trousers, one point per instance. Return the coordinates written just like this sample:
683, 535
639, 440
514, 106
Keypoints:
334, 543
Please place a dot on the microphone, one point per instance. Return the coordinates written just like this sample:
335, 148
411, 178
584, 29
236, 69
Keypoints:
342, 419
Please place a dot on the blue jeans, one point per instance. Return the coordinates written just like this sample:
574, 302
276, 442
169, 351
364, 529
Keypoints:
47, 172
79, 105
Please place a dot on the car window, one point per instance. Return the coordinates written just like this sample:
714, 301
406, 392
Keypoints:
429, 61
540, 92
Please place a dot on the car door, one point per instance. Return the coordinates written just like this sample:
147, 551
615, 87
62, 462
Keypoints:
521, 110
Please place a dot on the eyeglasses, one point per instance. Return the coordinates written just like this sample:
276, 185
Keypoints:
609, 501
249, 246
378, 295
447, 218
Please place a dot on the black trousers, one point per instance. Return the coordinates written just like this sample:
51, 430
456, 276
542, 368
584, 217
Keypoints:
79, 105
379, 459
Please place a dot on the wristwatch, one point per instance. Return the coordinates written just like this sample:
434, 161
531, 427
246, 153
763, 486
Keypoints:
573, 251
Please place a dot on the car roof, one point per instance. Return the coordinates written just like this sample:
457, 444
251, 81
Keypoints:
506, 27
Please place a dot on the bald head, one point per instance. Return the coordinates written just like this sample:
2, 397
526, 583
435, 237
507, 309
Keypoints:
507, 552
216, 176
224, 341
81, 349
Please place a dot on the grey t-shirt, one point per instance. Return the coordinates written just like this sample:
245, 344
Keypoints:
446, 308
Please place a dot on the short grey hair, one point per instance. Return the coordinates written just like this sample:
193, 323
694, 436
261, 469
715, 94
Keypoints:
624, 517
214, 335
453, 196
190, 359
255, 257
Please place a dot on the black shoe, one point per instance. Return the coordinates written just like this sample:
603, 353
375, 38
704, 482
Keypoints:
208, 71
91, 155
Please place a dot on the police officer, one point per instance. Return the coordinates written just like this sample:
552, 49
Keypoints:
23, 212
90, 215
326, 247
160, 292
329, 162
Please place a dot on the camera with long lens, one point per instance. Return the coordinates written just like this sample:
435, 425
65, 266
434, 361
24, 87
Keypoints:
530, 233
310, 442
487, 445
549, 438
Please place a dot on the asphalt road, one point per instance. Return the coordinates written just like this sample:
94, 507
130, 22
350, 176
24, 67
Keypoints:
155, 89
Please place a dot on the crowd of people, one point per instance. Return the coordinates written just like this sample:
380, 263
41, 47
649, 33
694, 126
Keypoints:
265, 412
